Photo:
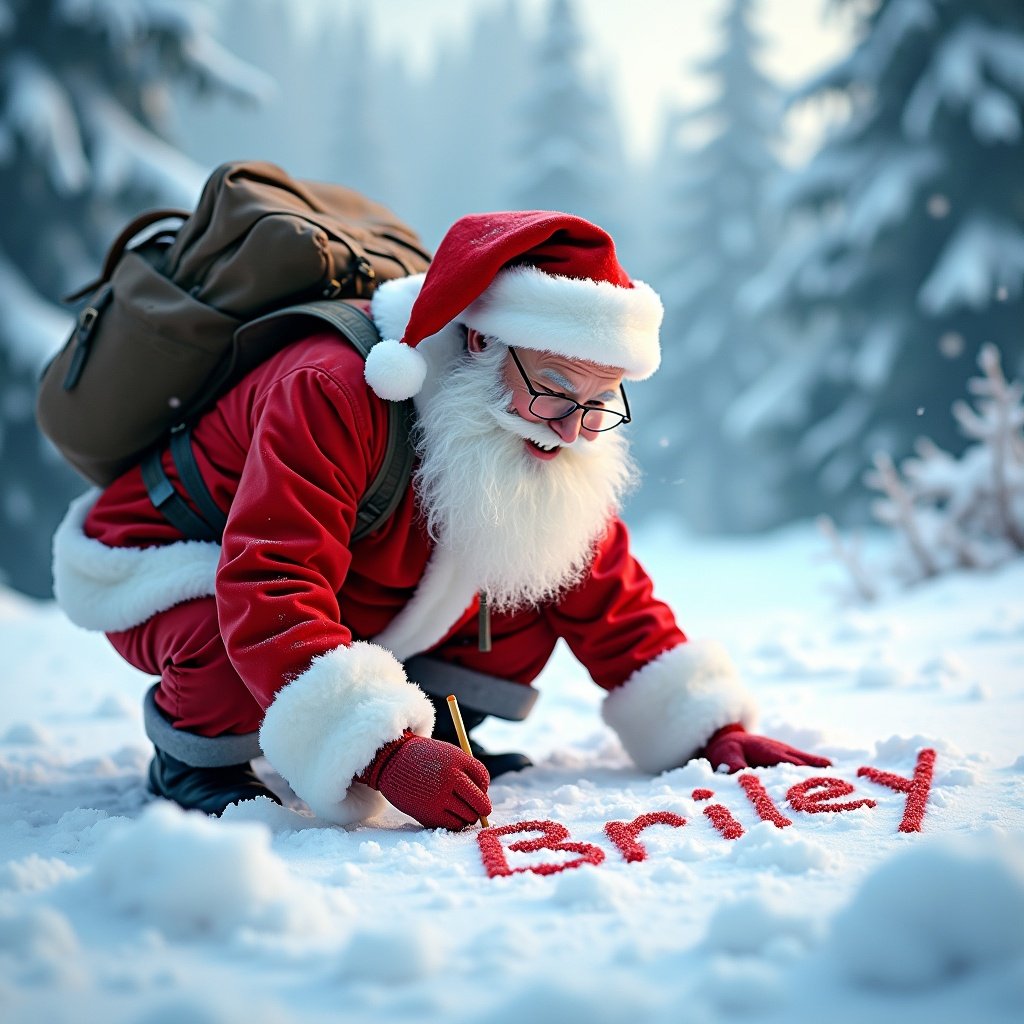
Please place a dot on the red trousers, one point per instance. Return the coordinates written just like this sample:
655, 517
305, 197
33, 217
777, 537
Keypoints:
199, 688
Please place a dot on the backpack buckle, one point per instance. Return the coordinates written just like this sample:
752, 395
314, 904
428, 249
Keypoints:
365, 274
87, 321
83, 336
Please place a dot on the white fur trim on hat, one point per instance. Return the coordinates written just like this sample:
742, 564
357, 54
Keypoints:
110, 589
392, 303
394, 370
391, 309
325, 726
574, 317
667, 710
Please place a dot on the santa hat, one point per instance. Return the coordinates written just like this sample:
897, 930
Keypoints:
533, 279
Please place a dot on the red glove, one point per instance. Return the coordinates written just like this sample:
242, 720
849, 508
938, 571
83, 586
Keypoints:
737, 749
430, 780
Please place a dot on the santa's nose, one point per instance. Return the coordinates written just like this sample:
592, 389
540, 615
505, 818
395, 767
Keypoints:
568, 428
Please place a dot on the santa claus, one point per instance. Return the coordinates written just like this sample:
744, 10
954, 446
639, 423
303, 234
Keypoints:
292, 638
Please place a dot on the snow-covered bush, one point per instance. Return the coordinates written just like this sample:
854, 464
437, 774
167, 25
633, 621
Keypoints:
963, 512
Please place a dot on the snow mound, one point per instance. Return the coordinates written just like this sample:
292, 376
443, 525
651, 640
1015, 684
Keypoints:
386, 956
957, 777
941, 910
594, 890
902, 750
27, 734
881, 672
944, 666
212, 1008
766, 846
192, 876
263, 811
34, 873
41, 945
801, 736
696, 774
116, 705
563, 998
741, 986
857, 625
751, 924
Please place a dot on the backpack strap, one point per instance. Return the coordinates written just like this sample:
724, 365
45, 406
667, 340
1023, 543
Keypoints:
118, 246
383, 495
192, 480
387, 488
169, 503
384, 492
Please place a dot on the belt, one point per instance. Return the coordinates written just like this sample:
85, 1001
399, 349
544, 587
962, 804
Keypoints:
475, 691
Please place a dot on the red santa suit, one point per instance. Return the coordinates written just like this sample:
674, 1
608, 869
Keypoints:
302, 633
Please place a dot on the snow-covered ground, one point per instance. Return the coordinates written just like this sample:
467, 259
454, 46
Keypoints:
114, 908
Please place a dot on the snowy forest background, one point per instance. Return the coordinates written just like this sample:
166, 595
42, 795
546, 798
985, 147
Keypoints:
821, 310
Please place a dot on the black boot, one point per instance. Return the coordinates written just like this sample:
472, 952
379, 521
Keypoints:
499, 764
444, 729
210, 790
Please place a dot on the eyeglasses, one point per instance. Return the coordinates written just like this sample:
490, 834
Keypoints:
548, 405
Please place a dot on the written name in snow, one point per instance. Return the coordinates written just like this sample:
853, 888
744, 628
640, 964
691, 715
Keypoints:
818, 795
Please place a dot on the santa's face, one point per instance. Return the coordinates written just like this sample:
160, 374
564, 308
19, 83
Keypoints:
536, 380
520, 500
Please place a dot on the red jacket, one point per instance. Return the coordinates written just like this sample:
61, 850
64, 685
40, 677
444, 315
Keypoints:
316, 626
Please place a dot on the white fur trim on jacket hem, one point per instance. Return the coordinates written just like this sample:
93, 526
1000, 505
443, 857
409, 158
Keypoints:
325, 726
667, 710
110, 589
573, 317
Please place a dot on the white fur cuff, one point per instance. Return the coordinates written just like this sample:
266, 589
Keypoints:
325, 726
667, 710
110, 589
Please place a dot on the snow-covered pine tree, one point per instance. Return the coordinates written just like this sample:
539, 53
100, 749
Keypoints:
82, 148
430, 142
454, 125
569, 156
298, 93
917, 257
322, 112
719, 160
359, 146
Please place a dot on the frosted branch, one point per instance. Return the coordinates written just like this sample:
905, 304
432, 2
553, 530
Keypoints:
965, 512
900, 510
848, 555
1004, 403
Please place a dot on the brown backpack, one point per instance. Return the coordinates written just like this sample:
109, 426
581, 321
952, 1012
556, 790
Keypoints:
178, 317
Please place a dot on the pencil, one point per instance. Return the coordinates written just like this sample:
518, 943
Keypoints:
460, 729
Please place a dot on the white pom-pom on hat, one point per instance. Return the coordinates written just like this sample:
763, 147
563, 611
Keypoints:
394, 370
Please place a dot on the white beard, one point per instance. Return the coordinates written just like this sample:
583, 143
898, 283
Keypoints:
523, 528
